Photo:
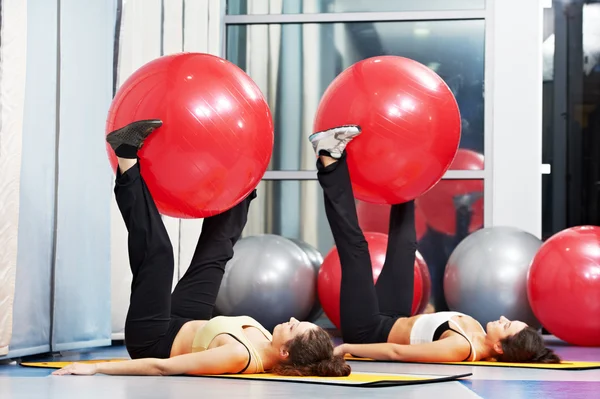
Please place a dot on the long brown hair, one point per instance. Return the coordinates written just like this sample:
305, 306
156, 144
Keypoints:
526, 346
311, 354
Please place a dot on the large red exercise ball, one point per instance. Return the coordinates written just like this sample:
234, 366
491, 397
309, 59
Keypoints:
217, 135
330, 276
564, 285
410, 126
437, 205
376, 218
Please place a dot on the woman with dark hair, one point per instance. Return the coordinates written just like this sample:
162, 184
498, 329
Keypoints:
376, 319
173, 333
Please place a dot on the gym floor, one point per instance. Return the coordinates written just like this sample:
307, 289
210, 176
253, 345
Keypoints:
486, 382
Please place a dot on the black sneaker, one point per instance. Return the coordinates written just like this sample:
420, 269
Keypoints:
132, 135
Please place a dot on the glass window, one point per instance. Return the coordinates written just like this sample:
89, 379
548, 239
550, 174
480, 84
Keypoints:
442, 223
295, 209
292, 209
244, 7
294, 63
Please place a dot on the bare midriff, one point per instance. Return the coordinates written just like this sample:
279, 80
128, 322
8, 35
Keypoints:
400, 333
185, 337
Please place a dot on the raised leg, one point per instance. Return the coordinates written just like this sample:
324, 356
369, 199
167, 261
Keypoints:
395, 286
361, 321
150, 251
196, 293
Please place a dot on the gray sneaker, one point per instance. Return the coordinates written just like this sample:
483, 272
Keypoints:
334, 141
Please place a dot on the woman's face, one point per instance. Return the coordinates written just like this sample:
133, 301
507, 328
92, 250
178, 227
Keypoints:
284, 332
503, 328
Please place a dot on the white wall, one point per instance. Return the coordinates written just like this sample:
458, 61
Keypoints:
516, 34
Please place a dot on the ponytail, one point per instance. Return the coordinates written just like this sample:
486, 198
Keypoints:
526, 346
334, 367
311, 354
546, 356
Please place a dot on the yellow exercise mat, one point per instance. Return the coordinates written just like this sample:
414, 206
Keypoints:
356, 379
565, 365
60, 365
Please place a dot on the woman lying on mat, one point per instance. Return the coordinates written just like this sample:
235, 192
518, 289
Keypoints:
375, 319
170, 333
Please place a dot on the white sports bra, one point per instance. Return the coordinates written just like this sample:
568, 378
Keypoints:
424, 329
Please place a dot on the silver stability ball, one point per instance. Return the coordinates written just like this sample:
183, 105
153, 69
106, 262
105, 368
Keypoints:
486, 275
316, 259
270, 279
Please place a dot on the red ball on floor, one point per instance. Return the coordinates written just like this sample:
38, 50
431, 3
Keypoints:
563, 285
330, 277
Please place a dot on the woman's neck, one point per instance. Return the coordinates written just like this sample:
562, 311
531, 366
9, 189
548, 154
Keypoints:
485, 349
269, 355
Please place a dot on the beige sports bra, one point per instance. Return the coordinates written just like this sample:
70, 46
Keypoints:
233, 326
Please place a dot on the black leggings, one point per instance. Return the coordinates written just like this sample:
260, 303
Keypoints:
368, 311
155, 314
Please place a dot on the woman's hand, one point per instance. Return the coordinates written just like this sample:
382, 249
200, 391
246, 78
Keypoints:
340, 350
78, 369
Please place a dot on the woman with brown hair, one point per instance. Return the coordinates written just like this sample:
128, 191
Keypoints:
376, 319
174, 333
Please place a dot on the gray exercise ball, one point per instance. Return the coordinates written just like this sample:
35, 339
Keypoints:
270, 279
486, 275
316, 259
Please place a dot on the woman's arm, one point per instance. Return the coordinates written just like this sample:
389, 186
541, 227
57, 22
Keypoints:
230, 358
148, 366
452, 349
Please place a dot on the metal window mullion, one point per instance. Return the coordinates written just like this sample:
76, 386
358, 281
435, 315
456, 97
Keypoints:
488, 117
353, 17
312, 175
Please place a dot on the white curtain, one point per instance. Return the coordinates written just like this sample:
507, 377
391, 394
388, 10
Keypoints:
12, 97
35, 260
81, 280
139, 43
149, 29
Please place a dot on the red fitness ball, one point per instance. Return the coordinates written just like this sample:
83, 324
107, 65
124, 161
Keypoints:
410, 126
216, 140
376, 218
437, 205
563, 285
330, 277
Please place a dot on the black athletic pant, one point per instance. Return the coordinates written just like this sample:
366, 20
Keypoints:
155, 315
368, 311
